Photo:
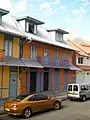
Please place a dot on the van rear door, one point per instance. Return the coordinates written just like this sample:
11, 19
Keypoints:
76, 90
70, 89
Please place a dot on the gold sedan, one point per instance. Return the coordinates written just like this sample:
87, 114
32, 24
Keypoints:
25, 105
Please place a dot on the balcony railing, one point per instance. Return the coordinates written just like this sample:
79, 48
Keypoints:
2, 55
48, 61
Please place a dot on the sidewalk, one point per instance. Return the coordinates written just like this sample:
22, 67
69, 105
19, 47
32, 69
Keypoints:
61, 96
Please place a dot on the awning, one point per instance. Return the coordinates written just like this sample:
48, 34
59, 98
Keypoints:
11, 61
84, 67
31, 63
72, 67
2, 63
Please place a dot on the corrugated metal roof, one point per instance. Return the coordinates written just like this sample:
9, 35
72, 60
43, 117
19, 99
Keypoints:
31, 63
11, 61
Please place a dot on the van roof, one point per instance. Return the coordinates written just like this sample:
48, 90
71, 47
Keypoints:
79, 84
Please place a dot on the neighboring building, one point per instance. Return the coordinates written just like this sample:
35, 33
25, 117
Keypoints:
31, 59
82, 59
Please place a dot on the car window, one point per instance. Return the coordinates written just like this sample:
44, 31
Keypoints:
84, 87
41, 97
21, 97
75, 88
70, 88
33, 98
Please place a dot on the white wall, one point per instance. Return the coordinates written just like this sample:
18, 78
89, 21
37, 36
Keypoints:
85, 61
82, 77
53, 35
22, 23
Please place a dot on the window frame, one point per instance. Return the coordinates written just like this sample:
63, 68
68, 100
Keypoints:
34, 52
57, 54
8, 49
80, 60
46, 52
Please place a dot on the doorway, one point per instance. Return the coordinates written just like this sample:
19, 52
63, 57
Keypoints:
46, 81
33, 82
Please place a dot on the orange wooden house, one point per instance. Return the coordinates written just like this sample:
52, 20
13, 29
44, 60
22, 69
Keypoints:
47, 57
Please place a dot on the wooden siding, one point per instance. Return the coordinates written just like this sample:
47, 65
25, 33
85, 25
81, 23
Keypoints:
23, 86
52, 52
26, 50
15, 47
0, 76
5, 93
40, 51
5, 77
1, 41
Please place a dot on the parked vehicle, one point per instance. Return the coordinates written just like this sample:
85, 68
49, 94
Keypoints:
78, 91
25, 105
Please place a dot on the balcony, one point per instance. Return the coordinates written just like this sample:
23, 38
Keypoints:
52, 62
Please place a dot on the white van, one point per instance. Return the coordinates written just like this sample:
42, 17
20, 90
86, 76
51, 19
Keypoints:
78, 91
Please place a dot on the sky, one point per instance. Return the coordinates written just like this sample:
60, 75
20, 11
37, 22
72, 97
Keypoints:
70, 15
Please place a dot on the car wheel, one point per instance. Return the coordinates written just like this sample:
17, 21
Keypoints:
83, 98
27, 113
57, 105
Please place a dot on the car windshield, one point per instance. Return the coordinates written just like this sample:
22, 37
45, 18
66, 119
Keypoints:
21, 97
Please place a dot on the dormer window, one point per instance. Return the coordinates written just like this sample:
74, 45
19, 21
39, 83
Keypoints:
29, 24
58, 34
2, 12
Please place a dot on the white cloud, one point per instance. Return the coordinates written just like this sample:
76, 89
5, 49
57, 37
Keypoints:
46, 7
6, 4
56, 1
20, 6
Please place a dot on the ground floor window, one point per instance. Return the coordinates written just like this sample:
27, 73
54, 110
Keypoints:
46, 81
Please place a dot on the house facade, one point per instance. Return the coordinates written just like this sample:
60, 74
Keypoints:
33, 59
82, 60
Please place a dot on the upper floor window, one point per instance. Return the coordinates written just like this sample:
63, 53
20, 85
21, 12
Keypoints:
33, 52
57, 54
8, 47
46, 52
80, 60
31, 28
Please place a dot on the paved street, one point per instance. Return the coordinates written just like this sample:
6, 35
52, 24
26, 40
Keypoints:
70, 111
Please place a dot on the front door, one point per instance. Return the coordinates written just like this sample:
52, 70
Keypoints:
33, 82
45, 83
13, 86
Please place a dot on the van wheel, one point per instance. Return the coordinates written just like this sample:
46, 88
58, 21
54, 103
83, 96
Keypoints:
83, 98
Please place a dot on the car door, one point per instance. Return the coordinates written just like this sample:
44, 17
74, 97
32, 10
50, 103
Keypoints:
34, 104
44, 101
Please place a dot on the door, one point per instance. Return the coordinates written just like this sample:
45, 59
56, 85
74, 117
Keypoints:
13, 86
46, 81
33, 82
65, 79
44, 102
57, 80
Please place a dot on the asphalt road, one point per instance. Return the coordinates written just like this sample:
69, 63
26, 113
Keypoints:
71, 110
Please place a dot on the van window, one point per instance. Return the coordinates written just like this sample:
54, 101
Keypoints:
84, 87
70, 88
75, 88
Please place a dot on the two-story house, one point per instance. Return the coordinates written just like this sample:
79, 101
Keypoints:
10, 37
47, 57
82, 59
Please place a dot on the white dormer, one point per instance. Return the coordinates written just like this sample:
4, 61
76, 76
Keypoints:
29, 24
2, 13
57, 34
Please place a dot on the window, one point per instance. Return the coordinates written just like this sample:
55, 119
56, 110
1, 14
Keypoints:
33, 52
33, 98
80, 60
8, 48
70, 88
57, 54
75, 88
59, 37
30, 27
46, 52
21, 97
42, 97
84, 87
